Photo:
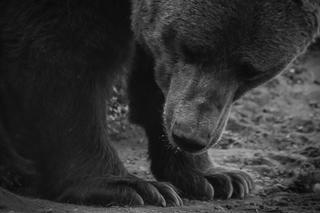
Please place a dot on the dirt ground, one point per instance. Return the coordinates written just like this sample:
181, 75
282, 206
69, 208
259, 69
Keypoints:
273, 134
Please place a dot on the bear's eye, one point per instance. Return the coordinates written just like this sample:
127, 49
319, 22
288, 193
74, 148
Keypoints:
247, 72
194, 54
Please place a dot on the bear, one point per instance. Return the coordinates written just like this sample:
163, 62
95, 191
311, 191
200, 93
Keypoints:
193, 60
57, 64
189, 61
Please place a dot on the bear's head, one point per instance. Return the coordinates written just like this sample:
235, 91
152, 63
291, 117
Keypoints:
208, 53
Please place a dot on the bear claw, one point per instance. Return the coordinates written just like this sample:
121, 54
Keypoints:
124, 192
230, 184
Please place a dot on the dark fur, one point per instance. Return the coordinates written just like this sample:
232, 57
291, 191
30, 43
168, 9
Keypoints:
193, 60
58, 60
59, 57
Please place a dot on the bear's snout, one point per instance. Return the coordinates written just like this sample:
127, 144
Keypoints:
195, 129
196, 109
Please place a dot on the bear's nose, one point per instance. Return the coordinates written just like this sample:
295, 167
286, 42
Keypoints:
188, 139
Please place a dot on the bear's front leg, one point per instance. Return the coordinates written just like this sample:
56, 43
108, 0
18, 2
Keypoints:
193, 175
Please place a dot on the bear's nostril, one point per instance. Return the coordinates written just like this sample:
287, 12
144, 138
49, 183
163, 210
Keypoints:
188, 144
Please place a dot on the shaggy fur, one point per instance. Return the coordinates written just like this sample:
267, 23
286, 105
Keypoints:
58, 61
193, 60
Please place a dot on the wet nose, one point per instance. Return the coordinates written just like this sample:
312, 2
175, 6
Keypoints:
189, 139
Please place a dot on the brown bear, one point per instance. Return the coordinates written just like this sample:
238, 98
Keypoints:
190, 62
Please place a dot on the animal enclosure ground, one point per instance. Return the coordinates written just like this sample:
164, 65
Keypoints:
273, 134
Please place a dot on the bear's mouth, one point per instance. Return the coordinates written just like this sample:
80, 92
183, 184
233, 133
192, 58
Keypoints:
188, 144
